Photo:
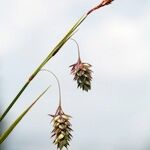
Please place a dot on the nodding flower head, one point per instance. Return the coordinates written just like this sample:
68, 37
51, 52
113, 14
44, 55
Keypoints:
82, 74
61, 122
61, 129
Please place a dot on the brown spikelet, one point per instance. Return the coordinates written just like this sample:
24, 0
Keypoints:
102, 4
106, 2
82, 74
61, 129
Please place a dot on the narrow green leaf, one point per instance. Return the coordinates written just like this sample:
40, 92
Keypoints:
13, 125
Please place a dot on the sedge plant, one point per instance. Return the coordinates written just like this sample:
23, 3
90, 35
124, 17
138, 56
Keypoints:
82, 75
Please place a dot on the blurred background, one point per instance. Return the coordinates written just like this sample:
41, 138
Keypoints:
115, 114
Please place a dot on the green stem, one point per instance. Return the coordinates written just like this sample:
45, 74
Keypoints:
12, 103
13, 125
51, 54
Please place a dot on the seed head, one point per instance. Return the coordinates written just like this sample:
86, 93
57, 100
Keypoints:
82, 74
61, 129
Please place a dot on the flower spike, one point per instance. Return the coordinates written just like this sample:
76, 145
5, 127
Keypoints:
61, 129
81, 72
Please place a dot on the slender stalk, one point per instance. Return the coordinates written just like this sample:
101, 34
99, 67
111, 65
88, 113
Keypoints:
51, 54
14, 124
58, 83
79, 58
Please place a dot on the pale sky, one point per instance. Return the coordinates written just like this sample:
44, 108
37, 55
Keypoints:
115, 114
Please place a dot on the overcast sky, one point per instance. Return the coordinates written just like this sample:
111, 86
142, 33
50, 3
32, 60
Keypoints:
115, 114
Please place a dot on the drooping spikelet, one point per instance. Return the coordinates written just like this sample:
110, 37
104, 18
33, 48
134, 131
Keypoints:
62, 129
82, 74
